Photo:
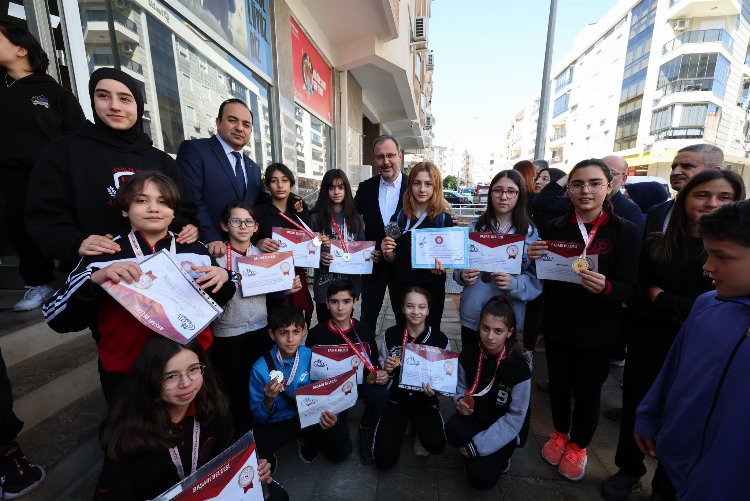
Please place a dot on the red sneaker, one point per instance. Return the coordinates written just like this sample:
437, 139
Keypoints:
553, 450
573, 463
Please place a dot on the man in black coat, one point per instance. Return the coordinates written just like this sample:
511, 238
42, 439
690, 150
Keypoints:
377, 199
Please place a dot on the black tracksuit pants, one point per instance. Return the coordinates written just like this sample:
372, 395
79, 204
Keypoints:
334, 443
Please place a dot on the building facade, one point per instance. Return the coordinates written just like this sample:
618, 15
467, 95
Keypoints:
321, 80
649, 78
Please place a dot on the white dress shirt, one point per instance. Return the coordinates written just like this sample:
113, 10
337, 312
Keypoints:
229, 152
388, 197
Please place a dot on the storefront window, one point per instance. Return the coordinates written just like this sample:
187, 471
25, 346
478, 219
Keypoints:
185, 76
312, 148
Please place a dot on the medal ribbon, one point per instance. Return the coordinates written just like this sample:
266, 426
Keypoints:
474, 386
406, 336
419, 221
505, 228
341, 234
177, 460
361, 351
290, 379
139, 252
591, 234
300, 226
231, 249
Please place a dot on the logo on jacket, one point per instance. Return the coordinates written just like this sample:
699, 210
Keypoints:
120, 175
40, 101
502, 395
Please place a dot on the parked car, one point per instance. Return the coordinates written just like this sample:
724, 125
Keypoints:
456, 198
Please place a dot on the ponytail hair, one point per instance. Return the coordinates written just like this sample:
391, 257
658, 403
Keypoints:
501, 307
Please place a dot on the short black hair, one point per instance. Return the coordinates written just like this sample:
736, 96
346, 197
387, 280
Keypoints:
730, 222
340, 285
38, 59
285, 315
234, 100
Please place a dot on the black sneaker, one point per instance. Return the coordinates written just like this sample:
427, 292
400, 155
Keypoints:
365, 445
307, 453
620, 486
18, 475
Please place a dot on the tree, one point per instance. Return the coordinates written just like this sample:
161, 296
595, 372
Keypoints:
450, 183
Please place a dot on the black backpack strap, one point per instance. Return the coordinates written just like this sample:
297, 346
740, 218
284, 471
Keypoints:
272, 366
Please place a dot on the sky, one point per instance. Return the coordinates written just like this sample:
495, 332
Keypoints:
489, 56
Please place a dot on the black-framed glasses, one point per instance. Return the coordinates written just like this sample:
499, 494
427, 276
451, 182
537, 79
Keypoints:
593, 186
389, 156
236, 223
509, 193
172, 381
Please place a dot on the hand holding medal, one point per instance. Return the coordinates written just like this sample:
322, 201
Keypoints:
375, 375
590, 280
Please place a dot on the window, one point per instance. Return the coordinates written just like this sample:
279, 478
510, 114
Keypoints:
183, 49
191, 114
661, 119
206, 93
694, 120
418, 67
561, 105
694, 72
695, 114
187, 82
313, 155
563, 79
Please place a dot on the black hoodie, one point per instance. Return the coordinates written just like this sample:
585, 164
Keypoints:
35, 110
72, 188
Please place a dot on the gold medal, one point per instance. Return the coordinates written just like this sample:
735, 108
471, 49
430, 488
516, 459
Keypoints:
396, 361
468, 400
580, 264
372, 378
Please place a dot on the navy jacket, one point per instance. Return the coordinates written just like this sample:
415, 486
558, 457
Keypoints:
657, 216
209, 174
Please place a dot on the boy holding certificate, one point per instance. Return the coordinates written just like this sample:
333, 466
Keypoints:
273, 381
149, 200
405, 406
343, 330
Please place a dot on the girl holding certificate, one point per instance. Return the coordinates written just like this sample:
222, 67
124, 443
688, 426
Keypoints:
581, 321
405, 406
506, 213
335, 215
169, 420
424, 207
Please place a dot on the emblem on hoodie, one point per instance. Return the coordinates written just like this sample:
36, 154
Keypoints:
40, 101
120, 175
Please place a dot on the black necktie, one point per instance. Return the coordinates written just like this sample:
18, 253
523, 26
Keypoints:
239, 178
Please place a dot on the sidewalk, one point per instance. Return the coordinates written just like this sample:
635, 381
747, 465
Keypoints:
442, 477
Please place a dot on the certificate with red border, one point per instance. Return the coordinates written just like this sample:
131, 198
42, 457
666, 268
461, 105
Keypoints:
335, 359
334, 394
360, 254
493, 252
264, 273
557, 264
429, 364
306, 253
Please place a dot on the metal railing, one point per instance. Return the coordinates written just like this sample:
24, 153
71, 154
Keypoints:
109, 60
101, 16
689, 85
699, 36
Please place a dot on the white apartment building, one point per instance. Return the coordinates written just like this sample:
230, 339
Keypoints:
650, 77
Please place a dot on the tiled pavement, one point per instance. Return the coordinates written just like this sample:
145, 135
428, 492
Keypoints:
442, 477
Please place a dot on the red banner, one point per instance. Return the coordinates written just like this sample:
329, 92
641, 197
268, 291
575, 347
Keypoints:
312, 76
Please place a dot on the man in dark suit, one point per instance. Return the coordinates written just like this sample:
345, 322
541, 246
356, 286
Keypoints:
377, 199
688, 162
219, 172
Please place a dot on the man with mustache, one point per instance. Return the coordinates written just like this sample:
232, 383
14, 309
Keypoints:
688, 162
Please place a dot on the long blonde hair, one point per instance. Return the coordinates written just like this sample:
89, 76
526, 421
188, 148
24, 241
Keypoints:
436, 204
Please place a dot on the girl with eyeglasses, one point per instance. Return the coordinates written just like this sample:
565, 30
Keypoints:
170, 419
581, 321
505, 213
335, 215
241, 331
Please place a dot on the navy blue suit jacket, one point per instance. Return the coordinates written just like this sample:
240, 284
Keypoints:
210, 175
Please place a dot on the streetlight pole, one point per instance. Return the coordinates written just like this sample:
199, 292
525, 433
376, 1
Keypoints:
541, 126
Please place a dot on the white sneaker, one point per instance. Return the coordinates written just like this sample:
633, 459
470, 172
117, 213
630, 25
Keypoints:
34, 297
419, 449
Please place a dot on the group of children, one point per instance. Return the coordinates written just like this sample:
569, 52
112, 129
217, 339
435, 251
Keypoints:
223, 382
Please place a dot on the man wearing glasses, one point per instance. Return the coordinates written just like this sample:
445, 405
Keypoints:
377, 199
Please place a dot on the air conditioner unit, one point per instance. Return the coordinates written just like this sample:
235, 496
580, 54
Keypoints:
128, 48
430, 60
420, 29
679, 24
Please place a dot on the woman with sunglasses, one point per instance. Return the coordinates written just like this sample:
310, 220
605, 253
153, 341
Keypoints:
581, 321
169, 420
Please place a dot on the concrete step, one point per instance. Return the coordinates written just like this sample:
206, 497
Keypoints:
67, 446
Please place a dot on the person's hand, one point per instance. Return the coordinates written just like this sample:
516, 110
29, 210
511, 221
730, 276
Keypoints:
271, 391
296, 285
326, 258
469, 277
298, 205
268, 245
381, 377
537, 250
390, 364
96, 245
463, 452
216, 248
328, 420
427, 390
188, 234
388, 247
438, 269
124, 270
646, 445
376, 255
592, 281
324, 240
264, 472
653, 292
454, 218
212, 276
502, 280
463, 409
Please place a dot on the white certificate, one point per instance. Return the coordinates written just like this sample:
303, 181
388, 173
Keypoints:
557, 264
449, 245
306, 253
360, 258
166, 299
264, 273
334, 394
429, 364
230, 476
496, 252
332, 360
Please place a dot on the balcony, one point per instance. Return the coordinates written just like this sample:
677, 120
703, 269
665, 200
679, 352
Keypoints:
689, 85
96, 29
558, 135
679, 9
679, 133
699, 36
130, 66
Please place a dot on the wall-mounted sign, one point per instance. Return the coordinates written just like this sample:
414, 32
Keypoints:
312, 76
